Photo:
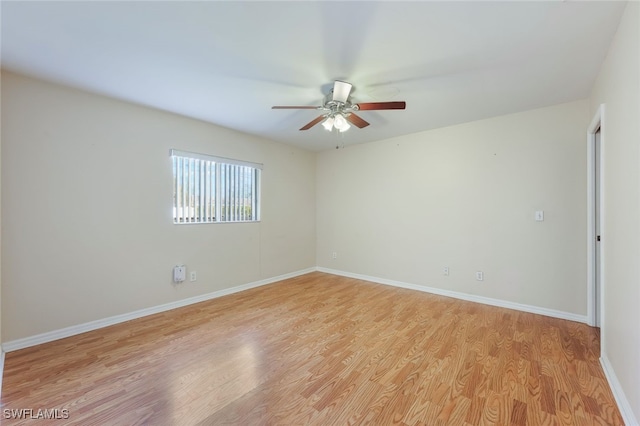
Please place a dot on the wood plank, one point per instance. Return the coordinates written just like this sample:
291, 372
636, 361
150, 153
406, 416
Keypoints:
321, 349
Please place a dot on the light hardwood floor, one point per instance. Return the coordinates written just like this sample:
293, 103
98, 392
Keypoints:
320, 350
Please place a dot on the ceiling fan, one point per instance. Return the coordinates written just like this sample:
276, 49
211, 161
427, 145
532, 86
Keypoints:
338, 110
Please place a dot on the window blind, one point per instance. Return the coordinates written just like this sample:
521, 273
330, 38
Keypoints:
210, 189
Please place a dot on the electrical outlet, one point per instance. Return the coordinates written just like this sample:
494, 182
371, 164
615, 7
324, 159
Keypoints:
445, 271
193, 276
479, 275
334, 255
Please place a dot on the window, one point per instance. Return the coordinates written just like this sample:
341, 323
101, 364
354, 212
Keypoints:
209, 189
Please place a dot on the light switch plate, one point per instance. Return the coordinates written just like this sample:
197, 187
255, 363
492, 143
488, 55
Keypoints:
539, 216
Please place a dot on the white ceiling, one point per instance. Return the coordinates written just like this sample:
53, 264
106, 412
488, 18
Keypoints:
229, 62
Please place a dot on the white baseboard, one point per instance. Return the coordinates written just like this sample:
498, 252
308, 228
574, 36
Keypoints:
26, 342
50, 336
621, 399
464, 296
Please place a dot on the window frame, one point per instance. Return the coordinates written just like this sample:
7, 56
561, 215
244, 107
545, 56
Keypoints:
201, 166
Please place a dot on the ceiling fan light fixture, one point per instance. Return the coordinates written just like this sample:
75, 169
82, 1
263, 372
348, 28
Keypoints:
328, 123
341, 123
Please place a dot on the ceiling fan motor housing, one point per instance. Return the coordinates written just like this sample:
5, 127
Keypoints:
333, 107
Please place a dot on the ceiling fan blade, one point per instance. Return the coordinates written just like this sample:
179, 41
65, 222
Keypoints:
357, 121
369, 106
341, 91
313, 123
294, 107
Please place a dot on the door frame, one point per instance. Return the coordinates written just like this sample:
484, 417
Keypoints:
596, 123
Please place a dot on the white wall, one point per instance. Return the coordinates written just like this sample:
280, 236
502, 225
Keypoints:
618, 87
86, 209
465, 197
